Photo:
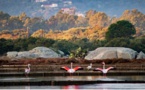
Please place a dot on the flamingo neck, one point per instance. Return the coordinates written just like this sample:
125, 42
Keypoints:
103, 66
91, 64
28, 67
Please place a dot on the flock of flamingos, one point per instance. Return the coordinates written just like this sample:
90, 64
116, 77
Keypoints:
72, 70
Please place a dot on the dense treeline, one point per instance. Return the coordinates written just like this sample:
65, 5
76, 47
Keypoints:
70, 47
23, 44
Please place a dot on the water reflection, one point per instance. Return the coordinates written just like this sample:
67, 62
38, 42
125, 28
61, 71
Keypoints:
16, 79
70, 87
75, 78
118, 86
101, 86
27, 87
121, 86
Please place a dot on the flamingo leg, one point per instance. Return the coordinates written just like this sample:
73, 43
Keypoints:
104, 74
70, 74
26, 74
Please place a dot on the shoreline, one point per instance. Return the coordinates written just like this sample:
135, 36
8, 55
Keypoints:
61, 61
77, 73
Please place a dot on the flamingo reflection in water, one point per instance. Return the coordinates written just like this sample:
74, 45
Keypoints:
71, 69
103, 70
71, 87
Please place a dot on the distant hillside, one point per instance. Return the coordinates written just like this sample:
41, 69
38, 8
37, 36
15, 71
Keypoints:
74, 33
64, 26
98, 25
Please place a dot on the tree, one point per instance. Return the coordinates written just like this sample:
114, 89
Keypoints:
122, 28
79, 53
138, 44
5, 46
118, 42
44, 42
65, 46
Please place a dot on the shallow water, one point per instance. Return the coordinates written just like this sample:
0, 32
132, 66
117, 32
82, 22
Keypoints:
130, 86
75, 78
100, 86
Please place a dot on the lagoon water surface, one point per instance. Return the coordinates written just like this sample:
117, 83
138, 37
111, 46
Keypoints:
95, 86
130, 86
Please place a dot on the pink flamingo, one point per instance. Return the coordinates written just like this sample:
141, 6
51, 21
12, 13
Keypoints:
27, 70
103, 70
71, 69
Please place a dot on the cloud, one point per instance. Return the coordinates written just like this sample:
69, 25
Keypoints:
80, 14
53, 5
67, 3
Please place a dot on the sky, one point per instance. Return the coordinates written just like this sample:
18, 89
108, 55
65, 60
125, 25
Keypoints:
33, 8
110, 7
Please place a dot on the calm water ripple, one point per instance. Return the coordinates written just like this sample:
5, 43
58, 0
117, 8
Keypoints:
101, 86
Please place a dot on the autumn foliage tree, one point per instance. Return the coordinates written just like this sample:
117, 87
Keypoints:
122, 28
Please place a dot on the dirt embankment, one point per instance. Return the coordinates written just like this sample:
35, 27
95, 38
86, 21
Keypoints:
61, 61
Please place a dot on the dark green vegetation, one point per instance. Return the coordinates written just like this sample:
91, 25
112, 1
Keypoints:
122, 28
28, 43
79, 46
